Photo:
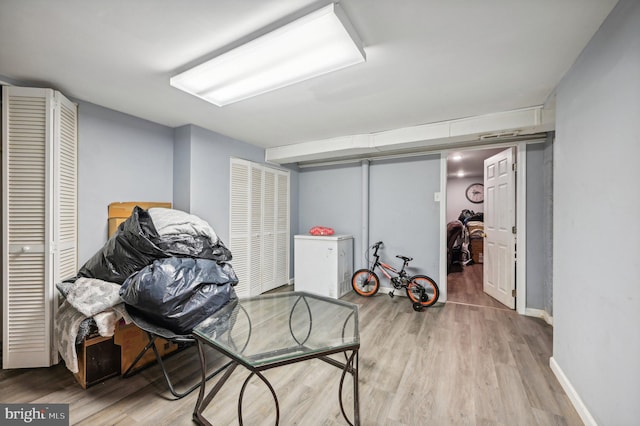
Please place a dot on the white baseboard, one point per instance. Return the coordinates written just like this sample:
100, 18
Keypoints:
539, 313
582, 410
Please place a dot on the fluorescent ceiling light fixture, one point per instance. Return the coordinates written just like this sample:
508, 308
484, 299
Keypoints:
315, 44
460, 173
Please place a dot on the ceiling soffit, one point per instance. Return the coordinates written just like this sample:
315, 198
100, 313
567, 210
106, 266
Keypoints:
480, 130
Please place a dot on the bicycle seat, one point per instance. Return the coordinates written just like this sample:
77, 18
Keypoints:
405, 258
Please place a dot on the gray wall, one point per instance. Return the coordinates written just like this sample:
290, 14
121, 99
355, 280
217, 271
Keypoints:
182, 168
120, 158
456, 198
402, 211
330, 196
208, 167
404, 215
596, 339
539, 224
547, 223
125, 158
202, 176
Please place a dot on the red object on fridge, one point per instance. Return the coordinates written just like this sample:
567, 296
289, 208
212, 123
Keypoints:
321, 230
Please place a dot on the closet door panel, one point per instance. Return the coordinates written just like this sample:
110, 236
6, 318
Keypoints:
239, 223
269, 231
27, 287
255, 255
282, 229
66, 189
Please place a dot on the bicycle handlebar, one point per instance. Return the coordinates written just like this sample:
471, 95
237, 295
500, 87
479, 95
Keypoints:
375, 248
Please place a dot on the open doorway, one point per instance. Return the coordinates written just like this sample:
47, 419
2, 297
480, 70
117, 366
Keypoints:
465, 236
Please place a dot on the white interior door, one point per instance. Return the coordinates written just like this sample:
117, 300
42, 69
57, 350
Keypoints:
499, 225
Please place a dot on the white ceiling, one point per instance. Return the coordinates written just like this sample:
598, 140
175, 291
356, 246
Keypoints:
471, 162
427, 60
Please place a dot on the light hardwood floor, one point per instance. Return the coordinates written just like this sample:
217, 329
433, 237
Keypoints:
451, 364
466, 287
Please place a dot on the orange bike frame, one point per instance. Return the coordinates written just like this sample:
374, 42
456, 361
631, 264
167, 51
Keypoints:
384, 267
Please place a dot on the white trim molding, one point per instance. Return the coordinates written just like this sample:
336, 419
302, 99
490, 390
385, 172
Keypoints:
443, 227
577, 402
539, 313
521, 228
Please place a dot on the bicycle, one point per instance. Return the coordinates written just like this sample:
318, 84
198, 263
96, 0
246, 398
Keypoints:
422, 290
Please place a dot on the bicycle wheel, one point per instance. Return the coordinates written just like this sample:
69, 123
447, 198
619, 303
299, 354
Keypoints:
423, 290
365, 282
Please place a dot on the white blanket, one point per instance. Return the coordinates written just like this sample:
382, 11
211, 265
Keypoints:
87, 297
177, 222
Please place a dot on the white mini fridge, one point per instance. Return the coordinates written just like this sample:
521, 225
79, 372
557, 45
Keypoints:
323, 265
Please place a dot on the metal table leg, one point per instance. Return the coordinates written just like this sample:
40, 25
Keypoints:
273, 393
351, 367
203, 401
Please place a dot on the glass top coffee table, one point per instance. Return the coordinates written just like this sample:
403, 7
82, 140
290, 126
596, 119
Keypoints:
270, 331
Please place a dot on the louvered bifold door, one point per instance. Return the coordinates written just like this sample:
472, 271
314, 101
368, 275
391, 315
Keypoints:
27, 287
239, 223
65, 192
255, 224
282, 229
269, 231
65, 216
259, 224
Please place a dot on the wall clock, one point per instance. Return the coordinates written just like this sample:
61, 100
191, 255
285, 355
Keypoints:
475, 193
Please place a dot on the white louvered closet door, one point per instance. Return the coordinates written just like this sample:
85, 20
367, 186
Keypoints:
269, 231
65, 189
239, 209
282, 229
255, 225
33, 136
259, 226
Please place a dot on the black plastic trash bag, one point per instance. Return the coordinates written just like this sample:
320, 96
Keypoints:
129, 250
179, 293
190, 246
137, 244
182, 234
